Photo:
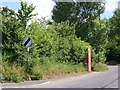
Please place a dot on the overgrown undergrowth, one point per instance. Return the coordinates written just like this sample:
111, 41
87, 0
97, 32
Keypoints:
14, 73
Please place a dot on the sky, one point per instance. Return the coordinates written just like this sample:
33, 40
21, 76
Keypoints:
44, 7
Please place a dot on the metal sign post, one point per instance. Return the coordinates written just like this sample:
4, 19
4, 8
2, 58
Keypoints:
27, 59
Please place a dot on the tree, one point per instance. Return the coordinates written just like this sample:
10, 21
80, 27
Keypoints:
81, 14
115, 24
98, 39
13, 25
9, 33
62, 11
114, 37
25, 13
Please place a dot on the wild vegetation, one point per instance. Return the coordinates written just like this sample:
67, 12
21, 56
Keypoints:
58, 47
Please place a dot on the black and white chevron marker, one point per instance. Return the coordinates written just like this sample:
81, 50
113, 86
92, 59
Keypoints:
27, 42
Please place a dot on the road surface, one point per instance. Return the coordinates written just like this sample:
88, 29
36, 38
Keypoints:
108, 79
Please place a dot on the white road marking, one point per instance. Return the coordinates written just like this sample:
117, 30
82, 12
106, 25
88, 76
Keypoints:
35, 85
41, 84
44, 83
27, 86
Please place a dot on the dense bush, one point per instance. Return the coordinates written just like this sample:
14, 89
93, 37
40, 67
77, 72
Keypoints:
50, 42
78, 51
99, 41
50, 46
114, 49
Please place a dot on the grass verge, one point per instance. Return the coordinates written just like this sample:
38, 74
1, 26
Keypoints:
14, 73
100, 67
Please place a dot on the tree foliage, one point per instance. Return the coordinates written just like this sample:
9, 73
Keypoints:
9, 33
81, 14
99, 39
114, 37
85, 16
25, 13
12, 31
114, 23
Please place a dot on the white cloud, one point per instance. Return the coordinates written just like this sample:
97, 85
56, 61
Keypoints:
43, 7
111, 5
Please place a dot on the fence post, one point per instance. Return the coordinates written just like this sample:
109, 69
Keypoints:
89, 60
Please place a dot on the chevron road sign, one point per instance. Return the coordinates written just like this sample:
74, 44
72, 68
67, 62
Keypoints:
27, 42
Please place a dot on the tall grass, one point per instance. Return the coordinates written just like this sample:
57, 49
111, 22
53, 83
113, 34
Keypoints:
48, 70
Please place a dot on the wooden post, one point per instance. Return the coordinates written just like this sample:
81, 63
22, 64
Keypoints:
89, 59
